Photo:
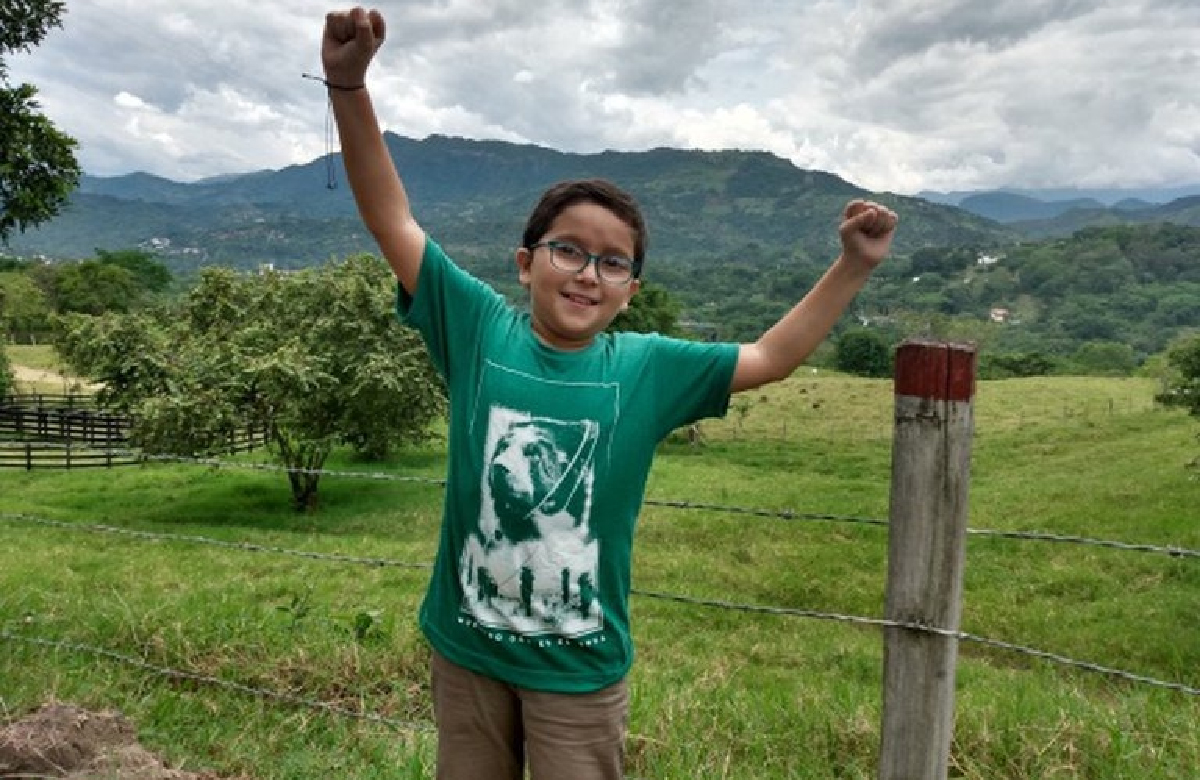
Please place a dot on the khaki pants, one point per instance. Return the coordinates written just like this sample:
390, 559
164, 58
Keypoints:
487, 729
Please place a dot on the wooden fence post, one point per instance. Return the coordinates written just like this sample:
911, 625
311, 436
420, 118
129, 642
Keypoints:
931, 457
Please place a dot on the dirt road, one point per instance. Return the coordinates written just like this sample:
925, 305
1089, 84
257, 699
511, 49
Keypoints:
24, 374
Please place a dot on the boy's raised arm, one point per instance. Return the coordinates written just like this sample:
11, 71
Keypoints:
348, 44
866, 232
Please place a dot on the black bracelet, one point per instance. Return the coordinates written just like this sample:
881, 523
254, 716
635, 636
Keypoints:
330, 85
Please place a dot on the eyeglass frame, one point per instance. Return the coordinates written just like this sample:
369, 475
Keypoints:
635, 266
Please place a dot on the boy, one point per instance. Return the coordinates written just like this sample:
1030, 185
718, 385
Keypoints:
553, 426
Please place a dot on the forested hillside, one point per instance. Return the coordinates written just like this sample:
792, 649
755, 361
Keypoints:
474, 196
1137, 286
735, 239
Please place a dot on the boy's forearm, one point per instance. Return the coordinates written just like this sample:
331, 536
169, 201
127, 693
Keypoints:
791, 340
378, 191
376, 185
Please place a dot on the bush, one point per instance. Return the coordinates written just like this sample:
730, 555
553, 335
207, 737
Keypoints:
1011, 365
864, 353
6, 375
1181, 385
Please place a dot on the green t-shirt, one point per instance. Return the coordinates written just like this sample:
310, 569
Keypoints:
549, 451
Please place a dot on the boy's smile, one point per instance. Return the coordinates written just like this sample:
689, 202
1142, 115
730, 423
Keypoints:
567, 308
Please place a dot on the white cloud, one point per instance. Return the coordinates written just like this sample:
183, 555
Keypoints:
126, 100
891, 94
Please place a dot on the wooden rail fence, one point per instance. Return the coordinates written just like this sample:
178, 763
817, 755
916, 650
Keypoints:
29, 456
41, 430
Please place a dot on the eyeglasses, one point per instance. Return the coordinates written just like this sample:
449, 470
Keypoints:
613, 269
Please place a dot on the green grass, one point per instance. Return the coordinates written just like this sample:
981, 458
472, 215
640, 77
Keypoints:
716, 693
41, 357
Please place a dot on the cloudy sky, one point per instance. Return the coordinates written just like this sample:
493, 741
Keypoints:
898, 95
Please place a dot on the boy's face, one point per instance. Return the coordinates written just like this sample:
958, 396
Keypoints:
568, 309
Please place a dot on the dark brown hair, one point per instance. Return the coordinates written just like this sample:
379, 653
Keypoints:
599, 191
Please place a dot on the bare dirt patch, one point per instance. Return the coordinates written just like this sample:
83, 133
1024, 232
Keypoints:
63, 740
45, 376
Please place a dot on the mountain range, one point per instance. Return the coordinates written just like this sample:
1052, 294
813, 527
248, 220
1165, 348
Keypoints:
1047, 213
724, 206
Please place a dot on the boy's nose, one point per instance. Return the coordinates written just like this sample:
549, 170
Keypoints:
589, 271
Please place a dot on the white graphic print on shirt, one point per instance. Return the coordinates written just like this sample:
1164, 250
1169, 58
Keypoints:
533, 564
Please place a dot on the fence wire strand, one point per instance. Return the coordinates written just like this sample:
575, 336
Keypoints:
682, 599
934, 630
775, 514
206, 540
217, 682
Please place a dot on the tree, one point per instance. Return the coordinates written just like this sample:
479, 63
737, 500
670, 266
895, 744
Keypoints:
315, 358
1105, 358
1007, 365
38, 169
652, 310
1181, 383
149, 274
6, 374
94, 287
24, 311
863, 352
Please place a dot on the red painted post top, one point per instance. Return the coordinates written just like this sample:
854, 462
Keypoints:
938, 371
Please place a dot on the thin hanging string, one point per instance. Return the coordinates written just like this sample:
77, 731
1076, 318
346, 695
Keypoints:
330, 168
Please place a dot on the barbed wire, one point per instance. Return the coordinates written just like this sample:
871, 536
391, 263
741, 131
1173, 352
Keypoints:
683, 599
275, 467
787, 514
230, 685
206, 540
943, 632
777, 514
1039, 536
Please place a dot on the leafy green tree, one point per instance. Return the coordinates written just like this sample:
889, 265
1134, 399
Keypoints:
38, 169
1105, 358
652, 310
1181, 384
863, 352
1007, 365
94, 287
150, 275
24, 311
6, 374
316, 358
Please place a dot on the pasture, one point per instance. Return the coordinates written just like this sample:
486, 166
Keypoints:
244, 638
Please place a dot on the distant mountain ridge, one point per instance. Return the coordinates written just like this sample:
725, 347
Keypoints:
474, 197
1109, 196
1043, 213
1184, 211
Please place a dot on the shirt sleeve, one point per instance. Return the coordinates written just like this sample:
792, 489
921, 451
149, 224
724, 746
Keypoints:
448, 308
694, 380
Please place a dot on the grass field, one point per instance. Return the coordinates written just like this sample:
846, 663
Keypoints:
40, 370
39, 356
716, 692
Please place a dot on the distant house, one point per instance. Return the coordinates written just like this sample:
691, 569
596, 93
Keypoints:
986, 260
999, 314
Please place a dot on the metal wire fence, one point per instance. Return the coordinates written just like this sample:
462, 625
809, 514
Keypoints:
671, 597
